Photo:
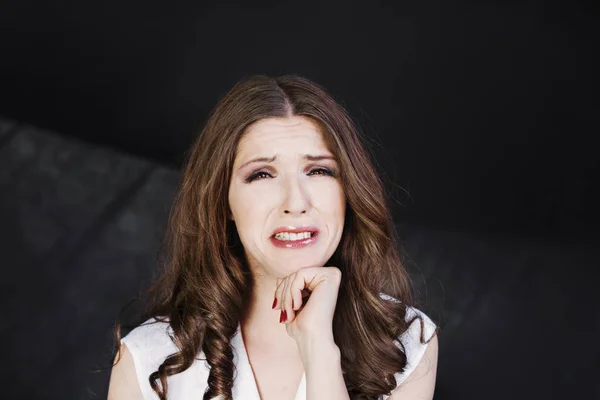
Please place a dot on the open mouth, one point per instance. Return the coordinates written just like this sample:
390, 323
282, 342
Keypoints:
294, 236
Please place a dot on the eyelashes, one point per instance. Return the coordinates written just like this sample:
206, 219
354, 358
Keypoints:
262, 174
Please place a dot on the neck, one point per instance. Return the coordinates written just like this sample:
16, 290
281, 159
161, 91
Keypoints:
260, 324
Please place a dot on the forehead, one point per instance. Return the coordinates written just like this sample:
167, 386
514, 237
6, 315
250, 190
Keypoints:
282, 135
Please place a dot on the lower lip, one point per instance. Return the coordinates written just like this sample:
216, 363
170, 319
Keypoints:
295, 244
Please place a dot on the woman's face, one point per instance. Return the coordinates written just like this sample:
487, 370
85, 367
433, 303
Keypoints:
285, 180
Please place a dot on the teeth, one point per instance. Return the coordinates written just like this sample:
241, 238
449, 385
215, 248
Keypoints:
292, 236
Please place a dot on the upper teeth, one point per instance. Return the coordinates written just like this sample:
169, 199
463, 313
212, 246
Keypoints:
292, 236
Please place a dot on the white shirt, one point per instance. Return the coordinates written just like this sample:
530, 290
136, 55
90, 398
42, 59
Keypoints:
150, 344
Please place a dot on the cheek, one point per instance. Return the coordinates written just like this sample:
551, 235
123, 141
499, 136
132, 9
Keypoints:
250, 209
330, 199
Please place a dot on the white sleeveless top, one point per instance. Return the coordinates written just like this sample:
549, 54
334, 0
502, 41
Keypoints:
150, 344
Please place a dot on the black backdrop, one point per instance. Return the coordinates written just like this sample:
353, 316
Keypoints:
482, 115
485, 110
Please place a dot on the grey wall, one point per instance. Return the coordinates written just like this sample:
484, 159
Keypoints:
81, 224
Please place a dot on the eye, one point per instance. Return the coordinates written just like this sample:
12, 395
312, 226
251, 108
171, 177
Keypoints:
321, 171
258, 175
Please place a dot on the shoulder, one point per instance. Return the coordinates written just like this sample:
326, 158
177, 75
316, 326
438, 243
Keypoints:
149, 345
415, 340
123, 380
151, 342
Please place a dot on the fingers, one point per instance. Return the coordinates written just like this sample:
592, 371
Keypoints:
278, 294
292, 289
287, 300
296, 289
281, 294
289, 294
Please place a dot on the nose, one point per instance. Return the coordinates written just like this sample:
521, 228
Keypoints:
296, 199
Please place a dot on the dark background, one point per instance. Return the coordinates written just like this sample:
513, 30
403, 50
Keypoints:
481, 116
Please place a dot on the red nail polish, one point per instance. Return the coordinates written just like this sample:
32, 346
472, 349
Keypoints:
283, 316
274, 303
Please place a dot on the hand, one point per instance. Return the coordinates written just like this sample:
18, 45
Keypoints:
313, 292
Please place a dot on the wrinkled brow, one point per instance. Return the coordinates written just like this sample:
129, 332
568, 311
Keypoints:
308, 157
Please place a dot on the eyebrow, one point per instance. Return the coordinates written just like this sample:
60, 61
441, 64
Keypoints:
308, 157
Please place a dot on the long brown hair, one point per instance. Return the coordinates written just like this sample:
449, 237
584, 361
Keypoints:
206, 282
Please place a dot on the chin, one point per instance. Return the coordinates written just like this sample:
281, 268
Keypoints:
306, 264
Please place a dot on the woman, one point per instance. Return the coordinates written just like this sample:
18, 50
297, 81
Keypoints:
282, 279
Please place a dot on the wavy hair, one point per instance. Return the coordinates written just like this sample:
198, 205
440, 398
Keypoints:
205, 280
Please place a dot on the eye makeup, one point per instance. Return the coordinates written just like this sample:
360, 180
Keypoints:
262, 173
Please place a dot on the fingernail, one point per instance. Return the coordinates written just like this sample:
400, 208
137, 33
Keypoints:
283, 316
274, 303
